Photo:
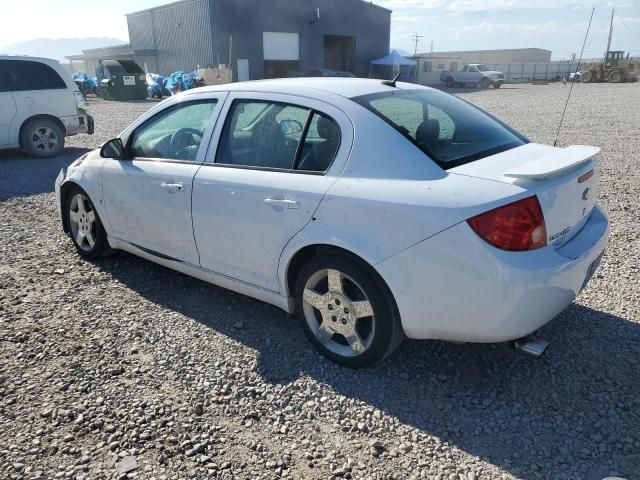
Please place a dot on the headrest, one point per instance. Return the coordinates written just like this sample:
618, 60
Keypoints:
327, 129
428, 131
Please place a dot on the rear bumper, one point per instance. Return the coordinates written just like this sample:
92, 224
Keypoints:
81, 123
456, 287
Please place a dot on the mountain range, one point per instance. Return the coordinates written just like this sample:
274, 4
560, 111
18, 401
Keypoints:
57, 48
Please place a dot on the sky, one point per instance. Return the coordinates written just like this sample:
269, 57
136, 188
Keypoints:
557, 25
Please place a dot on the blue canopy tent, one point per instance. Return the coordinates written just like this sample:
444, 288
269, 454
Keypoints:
394, 63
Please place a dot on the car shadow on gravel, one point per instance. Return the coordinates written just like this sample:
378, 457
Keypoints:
533, 418
23, 176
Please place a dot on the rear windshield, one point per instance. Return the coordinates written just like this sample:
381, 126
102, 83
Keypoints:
449, 130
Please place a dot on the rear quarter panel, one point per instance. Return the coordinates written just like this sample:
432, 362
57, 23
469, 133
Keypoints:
58, 103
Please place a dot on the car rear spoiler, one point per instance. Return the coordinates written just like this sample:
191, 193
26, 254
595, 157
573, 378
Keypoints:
555, 163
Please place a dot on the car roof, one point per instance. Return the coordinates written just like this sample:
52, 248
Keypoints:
316, 87
48, 61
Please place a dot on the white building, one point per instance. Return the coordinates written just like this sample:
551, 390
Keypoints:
431, 64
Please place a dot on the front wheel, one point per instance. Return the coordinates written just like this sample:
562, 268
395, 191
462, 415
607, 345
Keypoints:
497, 85
84, 225
346, 311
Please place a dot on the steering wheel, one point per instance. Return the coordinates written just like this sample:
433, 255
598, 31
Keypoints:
182, 138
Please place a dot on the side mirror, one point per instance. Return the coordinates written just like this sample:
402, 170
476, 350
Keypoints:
112, 149
290, 127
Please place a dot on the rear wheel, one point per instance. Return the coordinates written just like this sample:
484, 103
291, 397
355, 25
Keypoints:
586, 76
42, 138
84, 225
615, 76
450, 83
346, 311
485, 83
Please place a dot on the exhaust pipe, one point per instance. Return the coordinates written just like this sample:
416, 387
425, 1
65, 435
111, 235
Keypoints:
531, 345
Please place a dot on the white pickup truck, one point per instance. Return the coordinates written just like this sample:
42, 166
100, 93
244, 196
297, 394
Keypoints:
473, 74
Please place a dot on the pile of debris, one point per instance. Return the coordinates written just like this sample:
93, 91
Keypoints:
86, 83
159, 86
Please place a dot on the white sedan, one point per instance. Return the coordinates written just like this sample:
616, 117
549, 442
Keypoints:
371, 210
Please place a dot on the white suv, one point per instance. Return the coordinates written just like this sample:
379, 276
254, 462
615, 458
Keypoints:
40, 105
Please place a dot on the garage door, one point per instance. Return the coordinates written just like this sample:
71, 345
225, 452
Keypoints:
281, 46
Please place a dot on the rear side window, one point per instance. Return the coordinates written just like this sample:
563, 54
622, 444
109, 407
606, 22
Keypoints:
321, 144
275, 135
262, 134
5, 82
30, 75
449, 130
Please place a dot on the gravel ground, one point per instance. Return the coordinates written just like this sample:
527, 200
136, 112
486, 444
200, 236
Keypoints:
122, 369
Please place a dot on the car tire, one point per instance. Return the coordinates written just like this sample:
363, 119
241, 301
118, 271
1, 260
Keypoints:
84, 225
42, 138
450, 83
485, 83
497, 85
354, 322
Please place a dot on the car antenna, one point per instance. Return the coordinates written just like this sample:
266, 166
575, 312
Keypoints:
574, 77
392, 83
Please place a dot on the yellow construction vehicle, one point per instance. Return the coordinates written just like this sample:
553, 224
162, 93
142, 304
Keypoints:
615, 68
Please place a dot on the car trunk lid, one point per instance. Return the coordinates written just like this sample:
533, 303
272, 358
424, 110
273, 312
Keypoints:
564, 179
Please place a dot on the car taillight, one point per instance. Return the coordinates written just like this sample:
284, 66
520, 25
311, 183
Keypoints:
518, 226
81, 103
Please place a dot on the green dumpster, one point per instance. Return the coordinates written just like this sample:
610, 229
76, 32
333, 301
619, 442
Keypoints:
121, 80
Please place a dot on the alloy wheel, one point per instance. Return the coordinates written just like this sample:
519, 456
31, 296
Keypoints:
82, 220
44, 138
338, 312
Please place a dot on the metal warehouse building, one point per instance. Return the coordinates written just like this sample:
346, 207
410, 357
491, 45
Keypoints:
258, 38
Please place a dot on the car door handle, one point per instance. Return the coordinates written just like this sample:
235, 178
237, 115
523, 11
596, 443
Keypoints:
172, 187
281, 202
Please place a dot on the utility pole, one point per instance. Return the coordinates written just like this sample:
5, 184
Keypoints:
416, 39
431, 47
613, 11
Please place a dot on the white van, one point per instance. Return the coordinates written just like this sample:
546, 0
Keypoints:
40, 105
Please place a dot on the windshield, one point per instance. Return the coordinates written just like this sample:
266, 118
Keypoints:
483, 68
449, 130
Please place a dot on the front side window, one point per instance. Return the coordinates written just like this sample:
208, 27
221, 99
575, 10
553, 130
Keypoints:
29, 75
175, 133
277, 135
449, 130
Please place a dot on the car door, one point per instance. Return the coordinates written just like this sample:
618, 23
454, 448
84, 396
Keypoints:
7, 105
474, 74
148, 195
276, 157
